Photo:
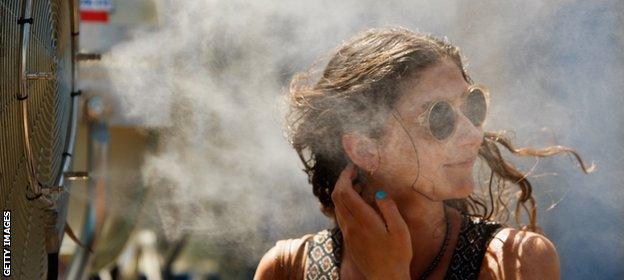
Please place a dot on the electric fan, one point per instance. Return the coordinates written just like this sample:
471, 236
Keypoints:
38, 114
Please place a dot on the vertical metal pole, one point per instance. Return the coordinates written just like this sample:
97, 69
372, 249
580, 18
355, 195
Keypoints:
68, 152
98, 168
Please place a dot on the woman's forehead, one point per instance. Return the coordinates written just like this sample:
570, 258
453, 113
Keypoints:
441, 81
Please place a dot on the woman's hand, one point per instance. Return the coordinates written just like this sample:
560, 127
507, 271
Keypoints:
380, 248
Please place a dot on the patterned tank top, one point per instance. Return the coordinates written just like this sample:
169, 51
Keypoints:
325, 248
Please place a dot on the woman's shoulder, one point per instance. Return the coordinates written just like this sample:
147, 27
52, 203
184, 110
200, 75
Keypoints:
519, 253
284, 260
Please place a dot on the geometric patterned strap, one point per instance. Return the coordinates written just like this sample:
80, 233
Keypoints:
474, 237
324, 252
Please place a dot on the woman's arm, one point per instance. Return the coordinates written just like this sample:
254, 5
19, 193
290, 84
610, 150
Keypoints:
266, 267
520, 254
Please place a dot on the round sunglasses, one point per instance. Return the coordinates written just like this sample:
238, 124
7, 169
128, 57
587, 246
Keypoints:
440, 118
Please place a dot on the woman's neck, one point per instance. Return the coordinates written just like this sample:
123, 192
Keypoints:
427, 223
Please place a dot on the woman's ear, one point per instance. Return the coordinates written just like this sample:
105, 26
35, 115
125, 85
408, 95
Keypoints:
362, 151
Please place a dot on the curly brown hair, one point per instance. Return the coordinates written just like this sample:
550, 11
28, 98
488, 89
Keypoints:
356, 92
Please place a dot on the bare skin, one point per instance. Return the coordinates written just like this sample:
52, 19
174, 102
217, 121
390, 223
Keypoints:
398, 237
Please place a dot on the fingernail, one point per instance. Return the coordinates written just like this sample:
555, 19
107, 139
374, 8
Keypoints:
381, 195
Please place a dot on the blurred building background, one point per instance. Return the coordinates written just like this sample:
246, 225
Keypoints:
554, 70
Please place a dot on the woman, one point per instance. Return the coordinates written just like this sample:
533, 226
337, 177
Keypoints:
388, 136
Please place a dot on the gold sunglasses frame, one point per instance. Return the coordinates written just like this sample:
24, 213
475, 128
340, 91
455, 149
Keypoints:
423, 118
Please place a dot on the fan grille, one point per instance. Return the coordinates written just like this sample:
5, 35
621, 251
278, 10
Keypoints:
49, 114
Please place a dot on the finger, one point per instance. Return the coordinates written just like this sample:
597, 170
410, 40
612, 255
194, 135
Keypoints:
343, 183
361, 211
340, 185
352, 202
353, 208
390, 213
344, 219
343, 215
346, 176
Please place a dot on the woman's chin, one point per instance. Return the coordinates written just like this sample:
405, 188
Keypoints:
463, 188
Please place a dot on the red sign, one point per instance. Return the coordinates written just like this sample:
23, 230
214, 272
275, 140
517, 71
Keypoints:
97, 16
95, 10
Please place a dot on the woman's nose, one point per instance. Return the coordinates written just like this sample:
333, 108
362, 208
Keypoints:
469, 136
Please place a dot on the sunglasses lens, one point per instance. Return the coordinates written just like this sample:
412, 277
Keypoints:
476, 107
442, 120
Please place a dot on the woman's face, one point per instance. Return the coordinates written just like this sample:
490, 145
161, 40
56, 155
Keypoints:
411, 160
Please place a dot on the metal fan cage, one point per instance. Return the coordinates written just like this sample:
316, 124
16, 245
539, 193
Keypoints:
38, 115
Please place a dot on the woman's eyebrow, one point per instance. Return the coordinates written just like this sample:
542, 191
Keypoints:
426, 105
